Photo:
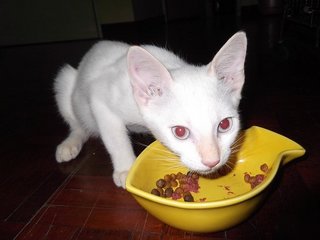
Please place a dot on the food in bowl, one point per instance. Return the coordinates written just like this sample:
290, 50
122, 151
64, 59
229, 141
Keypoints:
255, 180
177, 186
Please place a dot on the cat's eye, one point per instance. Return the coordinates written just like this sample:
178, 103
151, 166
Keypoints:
225, 125
181, 132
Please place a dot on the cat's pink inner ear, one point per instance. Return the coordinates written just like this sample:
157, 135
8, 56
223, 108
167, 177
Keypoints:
149, 78
228, 64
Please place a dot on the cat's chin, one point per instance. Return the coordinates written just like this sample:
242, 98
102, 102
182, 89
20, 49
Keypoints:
203, 170
215, 172
206, 172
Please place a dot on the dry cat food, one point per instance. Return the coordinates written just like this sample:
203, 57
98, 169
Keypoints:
177, 186
256, 179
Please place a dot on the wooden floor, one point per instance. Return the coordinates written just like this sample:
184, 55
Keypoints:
41, 199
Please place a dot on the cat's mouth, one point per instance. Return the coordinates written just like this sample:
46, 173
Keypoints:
205, 171
215, 172
221, 169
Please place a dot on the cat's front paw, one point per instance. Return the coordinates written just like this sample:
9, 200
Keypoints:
67, 151
119, 178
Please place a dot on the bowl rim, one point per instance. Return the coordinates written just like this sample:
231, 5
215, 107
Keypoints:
203, 205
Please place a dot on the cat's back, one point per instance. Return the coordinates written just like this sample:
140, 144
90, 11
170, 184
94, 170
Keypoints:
100, 57
112, 54
107, 52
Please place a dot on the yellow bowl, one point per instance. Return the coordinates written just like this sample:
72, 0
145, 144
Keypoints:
229, 200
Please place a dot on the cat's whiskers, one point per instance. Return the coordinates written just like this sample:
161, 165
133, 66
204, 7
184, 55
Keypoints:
168, 159
166, 156
239, 139
236, 146
171, 166
163, 150
140, 143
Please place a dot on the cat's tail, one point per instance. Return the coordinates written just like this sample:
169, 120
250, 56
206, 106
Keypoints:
63, 87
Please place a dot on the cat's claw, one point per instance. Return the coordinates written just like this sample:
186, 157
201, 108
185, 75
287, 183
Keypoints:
119, 178
67, 151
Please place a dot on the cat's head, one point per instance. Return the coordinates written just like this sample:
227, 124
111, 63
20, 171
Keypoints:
193, 110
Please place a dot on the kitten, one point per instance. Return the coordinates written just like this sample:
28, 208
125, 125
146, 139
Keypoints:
190, 109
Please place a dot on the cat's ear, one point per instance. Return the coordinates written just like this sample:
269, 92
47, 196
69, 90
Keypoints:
149, 78
228, 64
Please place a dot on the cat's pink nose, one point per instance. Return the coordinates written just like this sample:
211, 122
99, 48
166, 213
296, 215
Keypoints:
209, 163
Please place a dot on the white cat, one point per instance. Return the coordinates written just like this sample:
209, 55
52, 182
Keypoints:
193, 110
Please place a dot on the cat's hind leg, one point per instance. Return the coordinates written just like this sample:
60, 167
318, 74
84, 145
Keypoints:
69, 148
63, 87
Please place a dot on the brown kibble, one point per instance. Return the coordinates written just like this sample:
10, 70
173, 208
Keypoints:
179, 190
160, 191
173, 176
168, 192
188, 197
195, 176
254, 184
167, 178
161, 183
176, 196
179, 175
264, 168
252, 179
174, 183
183, 180
155, 192
168, 185
184, 186
177, 186
186, 193
246, 177
257, 179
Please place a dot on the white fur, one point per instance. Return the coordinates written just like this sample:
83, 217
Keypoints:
117, 88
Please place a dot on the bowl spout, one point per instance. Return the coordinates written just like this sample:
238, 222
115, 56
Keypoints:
274, 145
